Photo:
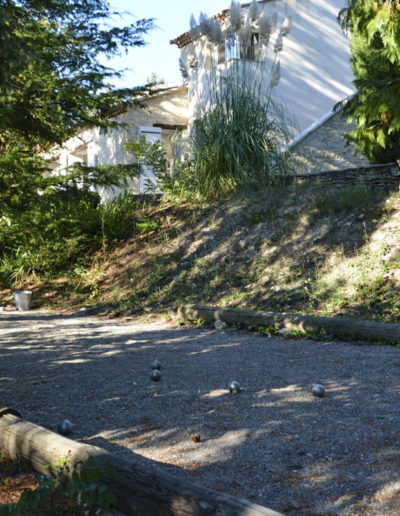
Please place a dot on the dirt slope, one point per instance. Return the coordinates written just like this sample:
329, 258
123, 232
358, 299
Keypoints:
306, 249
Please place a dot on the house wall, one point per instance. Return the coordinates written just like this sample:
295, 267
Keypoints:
315, 65
326, 148
106, 148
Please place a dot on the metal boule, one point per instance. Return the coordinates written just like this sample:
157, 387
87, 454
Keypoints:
65, 427
234, 387
318, 390
156, 364
155, 375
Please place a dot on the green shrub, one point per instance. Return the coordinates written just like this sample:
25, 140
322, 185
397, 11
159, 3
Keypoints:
68, 225
351, 198
118, 217
84, 493
174, 180
238, 142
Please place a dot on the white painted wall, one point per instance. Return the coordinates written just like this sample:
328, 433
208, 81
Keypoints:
98, 147
315, 61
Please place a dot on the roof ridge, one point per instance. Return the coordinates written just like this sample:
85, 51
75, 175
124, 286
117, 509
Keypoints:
185, 38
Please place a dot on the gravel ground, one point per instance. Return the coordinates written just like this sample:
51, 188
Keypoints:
274, 443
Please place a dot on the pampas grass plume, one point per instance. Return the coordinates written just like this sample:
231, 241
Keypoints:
245, 35
235, 15
215, 31
183, 69
278, 47
194, 29
265, 27
275, 75
254, 11
286, 26
203, 23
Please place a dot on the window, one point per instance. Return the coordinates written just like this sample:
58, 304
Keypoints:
232, 49
253, 48
221, 52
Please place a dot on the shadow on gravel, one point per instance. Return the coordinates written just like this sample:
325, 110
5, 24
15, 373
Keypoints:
274, 443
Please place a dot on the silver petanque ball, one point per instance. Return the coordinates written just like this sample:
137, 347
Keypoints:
318, 390
65, 427
156, 364
155, 375
234, 387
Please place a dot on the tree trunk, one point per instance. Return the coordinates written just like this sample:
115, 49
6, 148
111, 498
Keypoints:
339, 326
139, 490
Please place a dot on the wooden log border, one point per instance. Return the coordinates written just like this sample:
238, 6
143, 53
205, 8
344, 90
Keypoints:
138, 489
338, 326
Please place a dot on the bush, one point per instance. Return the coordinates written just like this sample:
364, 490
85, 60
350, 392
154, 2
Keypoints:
241, 132
83, 493
174, 181
68, 225
238, 143
374, 27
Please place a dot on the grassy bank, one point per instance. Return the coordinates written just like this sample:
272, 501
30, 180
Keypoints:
302, 249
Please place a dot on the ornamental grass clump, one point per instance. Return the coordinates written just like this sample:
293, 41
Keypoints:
238, 144
240, 136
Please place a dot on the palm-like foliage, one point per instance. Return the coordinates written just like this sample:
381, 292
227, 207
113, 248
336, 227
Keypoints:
238, 142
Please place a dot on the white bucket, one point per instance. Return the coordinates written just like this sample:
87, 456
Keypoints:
22, 299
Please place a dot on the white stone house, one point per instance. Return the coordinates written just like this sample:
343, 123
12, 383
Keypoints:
315, 75
159, 117
314, 67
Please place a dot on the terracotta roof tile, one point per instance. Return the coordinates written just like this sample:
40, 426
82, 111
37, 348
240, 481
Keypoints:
184, 39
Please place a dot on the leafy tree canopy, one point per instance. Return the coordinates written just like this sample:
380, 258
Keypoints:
374, 27
52, 82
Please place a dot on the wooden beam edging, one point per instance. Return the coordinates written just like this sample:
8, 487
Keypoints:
338, 326
138, 489
7, 410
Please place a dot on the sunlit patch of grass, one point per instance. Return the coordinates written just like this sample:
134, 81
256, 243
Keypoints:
351, 198
358, 284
